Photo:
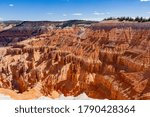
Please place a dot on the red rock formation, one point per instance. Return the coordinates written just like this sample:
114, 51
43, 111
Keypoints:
103, 61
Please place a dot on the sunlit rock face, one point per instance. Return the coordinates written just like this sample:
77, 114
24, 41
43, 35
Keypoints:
102, 60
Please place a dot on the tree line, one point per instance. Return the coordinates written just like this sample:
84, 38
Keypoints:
136, 19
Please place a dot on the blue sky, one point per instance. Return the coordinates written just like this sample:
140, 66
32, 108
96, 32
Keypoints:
53, 10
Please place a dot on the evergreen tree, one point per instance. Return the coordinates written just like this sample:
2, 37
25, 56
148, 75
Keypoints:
137, 19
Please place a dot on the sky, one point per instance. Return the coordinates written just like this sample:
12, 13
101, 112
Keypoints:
56, 10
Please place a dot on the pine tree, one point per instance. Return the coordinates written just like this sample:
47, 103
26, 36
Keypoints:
137, 19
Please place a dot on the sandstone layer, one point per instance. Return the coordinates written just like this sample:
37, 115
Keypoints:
102, 60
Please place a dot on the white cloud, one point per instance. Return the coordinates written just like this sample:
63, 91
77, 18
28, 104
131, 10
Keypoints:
144, 0
148, 12
1, 19
77, 14
100, 13
64, 15
11, 5
93, 19
108, 13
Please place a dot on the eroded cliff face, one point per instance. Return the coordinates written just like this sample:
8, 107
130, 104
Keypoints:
105, 61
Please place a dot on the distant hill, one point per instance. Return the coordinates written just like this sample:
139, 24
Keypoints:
77, 22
